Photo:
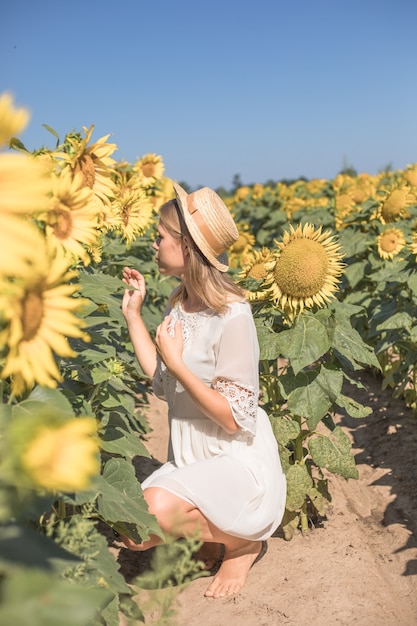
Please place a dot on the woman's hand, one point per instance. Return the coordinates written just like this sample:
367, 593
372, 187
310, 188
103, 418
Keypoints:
133, 298
170, 343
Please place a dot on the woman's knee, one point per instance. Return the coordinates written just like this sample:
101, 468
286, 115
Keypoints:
168, 509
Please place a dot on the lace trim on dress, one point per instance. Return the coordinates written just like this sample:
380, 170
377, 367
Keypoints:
191, 323
243, 400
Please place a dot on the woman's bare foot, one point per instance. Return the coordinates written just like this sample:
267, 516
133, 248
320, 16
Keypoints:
234, 570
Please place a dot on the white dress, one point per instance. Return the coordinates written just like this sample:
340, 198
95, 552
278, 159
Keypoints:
236, 481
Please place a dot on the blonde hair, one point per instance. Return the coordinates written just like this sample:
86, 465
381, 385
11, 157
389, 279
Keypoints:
214, 288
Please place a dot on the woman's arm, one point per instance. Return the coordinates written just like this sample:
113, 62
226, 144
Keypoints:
208, 400
143, 345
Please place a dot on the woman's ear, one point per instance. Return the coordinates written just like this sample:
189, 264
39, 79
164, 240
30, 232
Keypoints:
185, 244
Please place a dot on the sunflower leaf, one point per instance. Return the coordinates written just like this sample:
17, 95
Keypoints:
311, 394
121, 498
348, 342
305, 343
333, 452
299, 483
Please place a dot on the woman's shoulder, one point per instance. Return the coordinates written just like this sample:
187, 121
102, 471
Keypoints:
238, 307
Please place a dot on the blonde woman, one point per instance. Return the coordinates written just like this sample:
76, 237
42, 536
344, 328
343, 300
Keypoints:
223, 480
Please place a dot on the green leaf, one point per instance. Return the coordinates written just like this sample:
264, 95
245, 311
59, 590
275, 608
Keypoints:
314, 393
401, 320
52, 131
333, 452
299, 483
121, 498
117, 441
42, 397
20, 545
352, 407
348, 342
268, 342
285, 429
36, 598
305, 343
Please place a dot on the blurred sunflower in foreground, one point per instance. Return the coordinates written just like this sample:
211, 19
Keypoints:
46, 449
18, 236
38, 314
390, 242
306, 269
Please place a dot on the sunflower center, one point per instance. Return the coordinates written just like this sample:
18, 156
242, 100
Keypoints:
85, 165
257, 271
389, 242
63, 224
32, 314
148, 170
301, 269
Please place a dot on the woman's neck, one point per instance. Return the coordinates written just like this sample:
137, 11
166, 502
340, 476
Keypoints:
193, 303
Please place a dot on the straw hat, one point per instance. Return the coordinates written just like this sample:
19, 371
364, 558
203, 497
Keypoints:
210, 224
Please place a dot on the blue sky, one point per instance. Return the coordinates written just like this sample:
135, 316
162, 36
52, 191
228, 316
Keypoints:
266, 89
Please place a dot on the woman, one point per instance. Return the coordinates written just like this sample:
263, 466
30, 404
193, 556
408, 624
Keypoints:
223, 481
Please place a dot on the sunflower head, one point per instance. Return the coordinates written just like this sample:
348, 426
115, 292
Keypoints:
149, 168
410, 175
240, 249
307, 269
390, 243
255, 271
12, 120
395, 204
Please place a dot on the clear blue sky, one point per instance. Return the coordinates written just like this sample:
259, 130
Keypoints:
267, 89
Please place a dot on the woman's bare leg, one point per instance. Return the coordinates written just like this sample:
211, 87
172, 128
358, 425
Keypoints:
179, 518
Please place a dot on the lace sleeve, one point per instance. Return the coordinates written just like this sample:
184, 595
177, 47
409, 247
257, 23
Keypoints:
243, 402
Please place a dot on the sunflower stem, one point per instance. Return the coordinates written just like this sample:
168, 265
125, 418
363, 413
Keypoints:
304, 517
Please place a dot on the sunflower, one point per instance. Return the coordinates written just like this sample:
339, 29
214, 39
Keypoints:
410, 175
93, 161
241, 193
390, 243
413, 245
73, 219
160, 193
149, 168
12, 120
362, 188
131, 212
239, 250
63, 456
23, 184
256, 267
306, 270
344, 206
39, 311
257, 191
395, 204
292, 205
20, 243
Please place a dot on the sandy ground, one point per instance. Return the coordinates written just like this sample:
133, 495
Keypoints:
358, 568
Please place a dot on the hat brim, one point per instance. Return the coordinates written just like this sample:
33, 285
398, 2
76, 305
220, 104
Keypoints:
198, 239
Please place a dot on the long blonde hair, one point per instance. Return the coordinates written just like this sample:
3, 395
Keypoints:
214, 288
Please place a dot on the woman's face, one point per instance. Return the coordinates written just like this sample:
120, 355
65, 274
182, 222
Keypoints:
169, 253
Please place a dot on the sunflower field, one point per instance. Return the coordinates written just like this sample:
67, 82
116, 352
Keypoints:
330, 269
